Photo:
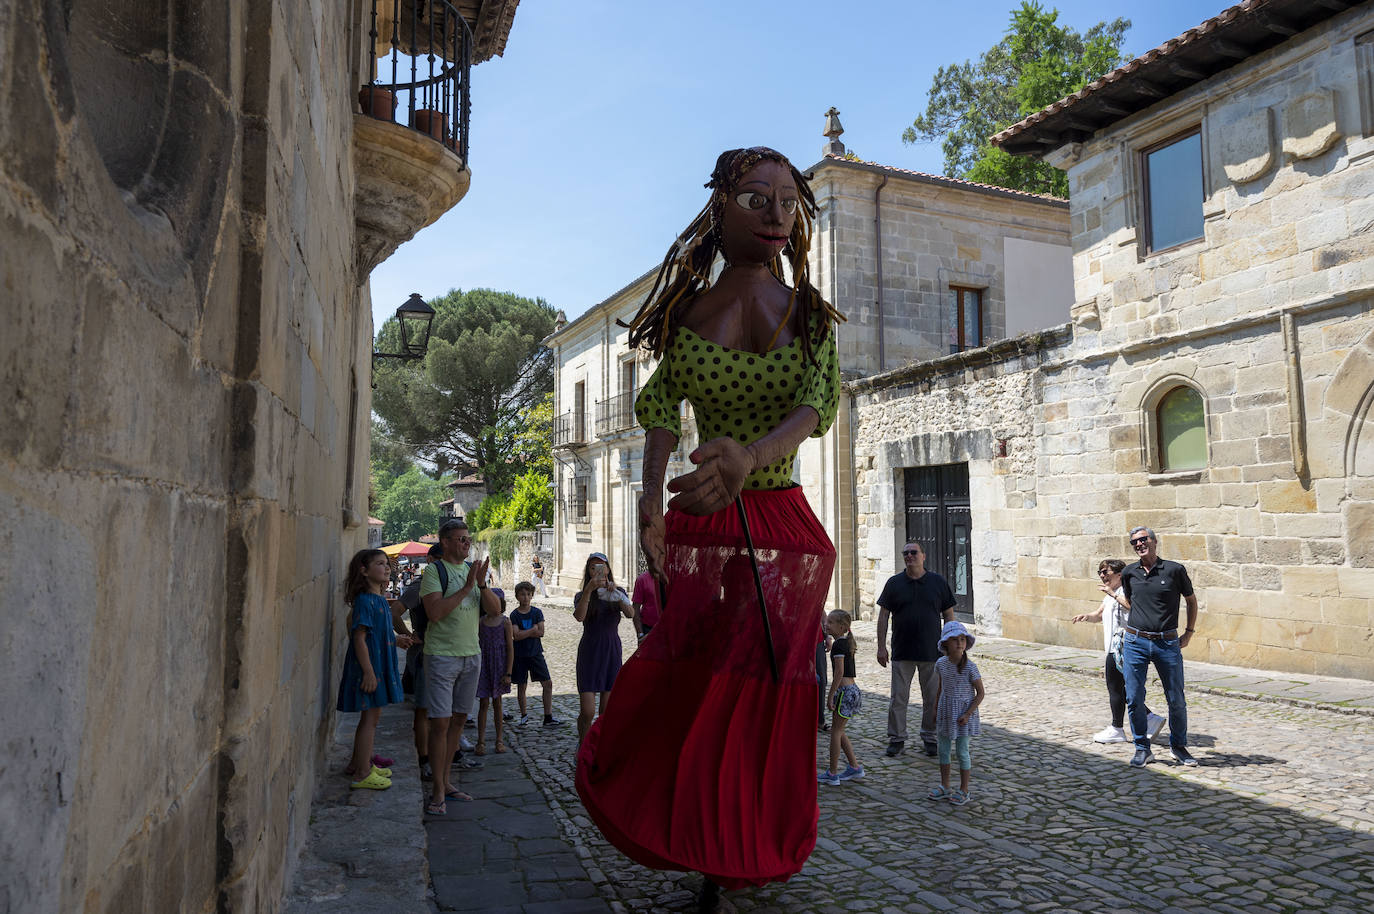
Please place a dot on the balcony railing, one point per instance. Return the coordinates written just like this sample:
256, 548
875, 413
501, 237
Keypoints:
616, 414
570, 430
421, 60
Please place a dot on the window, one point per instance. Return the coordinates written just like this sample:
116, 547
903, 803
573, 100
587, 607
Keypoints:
580, 412
964, 326
1364, 76
1173, 192
577, 504
1180, 422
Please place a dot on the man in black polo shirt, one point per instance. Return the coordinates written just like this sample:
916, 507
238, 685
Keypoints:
920, 603
1153, 587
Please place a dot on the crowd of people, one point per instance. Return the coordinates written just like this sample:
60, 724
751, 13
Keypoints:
708, 725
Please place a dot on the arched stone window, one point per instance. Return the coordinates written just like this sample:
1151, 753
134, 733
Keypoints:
1174, 426
1181, 426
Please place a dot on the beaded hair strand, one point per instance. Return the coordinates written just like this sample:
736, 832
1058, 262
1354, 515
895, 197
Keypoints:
686, 268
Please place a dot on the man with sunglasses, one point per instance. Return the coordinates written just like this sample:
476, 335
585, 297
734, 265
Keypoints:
919, 603
453, 658
1153, 588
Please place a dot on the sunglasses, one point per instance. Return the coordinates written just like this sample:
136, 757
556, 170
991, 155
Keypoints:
1103, 573
1141, 541
911, 552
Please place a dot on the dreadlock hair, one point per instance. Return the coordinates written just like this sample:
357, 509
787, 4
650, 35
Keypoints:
686, 269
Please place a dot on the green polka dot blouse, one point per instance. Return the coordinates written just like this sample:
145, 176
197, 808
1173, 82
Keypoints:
740, 394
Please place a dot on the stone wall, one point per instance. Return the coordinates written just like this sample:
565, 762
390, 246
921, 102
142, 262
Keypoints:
185, 357
1270, 317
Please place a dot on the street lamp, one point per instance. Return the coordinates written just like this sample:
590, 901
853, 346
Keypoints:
415, 318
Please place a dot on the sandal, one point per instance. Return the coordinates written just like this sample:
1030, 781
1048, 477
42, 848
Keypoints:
958, 797
481, 747
373, 781
940, 793
500, 747
436, 809
383, 762
453, 793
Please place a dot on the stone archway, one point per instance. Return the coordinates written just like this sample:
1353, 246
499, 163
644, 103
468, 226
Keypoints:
1349, 415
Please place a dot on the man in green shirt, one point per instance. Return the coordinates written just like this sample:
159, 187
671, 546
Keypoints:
453, 659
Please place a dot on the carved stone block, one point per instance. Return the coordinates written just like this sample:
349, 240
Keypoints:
1247, 146
1310, 124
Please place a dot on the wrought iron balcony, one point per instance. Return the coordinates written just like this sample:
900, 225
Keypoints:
422, 54
616, 414
410, 138
570, 430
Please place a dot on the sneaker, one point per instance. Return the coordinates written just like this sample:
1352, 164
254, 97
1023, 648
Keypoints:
1154, 724
931, 748
470, 723
939, 793
894, 748
468, 761
1183, 756
426, 772
851, 773
508, 715
554, 722
465, 744
1110, 735
828, 778
958, 797
524, 719
1142, 758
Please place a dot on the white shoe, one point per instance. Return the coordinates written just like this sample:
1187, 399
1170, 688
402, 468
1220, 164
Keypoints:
1154, 724
465, 744
1111, 735
524, 719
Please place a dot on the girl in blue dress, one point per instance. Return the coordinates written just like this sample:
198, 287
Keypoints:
371, 678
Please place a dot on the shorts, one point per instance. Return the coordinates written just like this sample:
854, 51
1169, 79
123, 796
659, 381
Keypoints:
849, 701
451, 684
527, 668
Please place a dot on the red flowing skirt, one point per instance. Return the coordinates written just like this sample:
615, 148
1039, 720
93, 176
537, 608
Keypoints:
701, 761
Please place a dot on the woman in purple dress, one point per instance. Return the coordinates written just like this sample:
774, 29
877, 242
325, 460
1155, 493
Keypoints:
599, 606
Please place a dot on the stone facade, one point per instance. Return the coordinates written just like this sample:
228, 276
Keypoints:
1267, 317
183, 443
937, 233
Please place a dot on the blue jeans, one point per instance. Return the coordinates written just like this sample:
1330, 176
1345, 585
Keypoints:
1138, 653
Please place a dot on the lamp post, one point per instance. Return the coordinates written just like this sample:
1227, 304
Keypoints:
415, 318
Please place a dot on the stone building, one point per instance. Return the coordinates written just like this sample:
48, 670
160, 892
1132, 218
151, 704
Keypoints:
1215, 381
955, 266
190, 205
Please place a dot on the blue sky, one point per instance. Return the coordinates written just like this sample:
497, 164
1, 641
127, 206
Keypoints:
593, 135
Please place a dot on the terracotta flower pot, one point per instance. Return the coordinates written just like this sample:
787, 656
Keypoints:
380, 103
429, 121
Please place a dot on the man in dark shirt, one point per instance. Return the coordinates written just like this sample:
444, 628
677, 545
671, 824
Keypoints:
1153, 588
919, 602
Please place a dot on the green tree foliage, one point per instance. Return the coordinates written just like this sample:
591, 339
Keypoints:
409, 507
1036, 63
531, 503
489, 513
534, 437
485, 368
388, 461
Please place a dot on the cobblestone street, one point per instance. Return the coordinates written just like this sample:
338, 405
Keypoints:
1278, 817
